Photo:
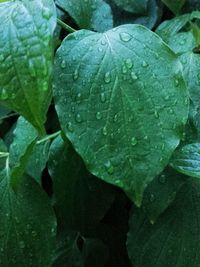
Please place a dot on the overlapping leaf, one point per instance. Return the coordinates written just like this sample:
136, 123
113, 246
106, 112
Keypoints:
174, 239
115, 106
186, 160
27, 224
161, 192
134, 6
90, 14
80, 199
26, 51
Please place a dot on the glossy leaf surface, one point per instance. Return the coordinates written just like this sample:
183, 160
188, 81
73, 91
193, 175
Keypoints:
27, 224
174, 239
91, 14
109, 108
26, 52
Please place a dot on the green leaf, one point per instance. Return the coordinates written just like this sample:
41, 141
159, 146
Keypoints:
174, 6
169, 28
37, 161
149, 18
26, 57
80, 199
90, 14
27, 225
191, 71
25, 136
182, 42
134, 6
115, 106
161, 192
3, 154
186, 160
67, 252
174, 239
196, 32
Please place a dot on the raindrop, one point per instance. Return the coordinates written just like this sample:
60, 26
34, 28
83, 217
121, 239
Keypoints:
105, 132
125, 37
45, 86
109, 167
182, 42
133, 141
78, 98
115, 118
152, 198
171, 111
103, 42
103, 97
22, 244
75, 76
176, 82
129, 63
124, 70
34, 233
98, 115
63, 64
78, 118
4, 94
32, 69
107, 78
166, 97
156, 114
134, 76
46, 13
144, 64
70, 127
162, 178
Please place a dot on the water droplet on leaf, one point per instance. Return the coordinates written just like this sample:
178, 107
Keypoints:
134, 76
98, 115
109, 167
125, 37
133, 141
107, 77
103, 97
78, 118
129, 63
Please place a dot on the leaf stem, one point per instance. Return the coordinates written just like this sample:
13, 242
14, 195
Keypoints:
4, 154
8, 116
65, 26
48, 137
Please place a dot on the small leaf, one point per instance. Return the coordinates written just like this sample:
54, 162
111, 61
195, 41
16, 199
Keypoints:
175, 237
191, 71
27, 224
89, 14
115, 106
161, 192
169, 28
26, 57
186, 160
134, 6
174, 6
150, 15
38, 160
25, 136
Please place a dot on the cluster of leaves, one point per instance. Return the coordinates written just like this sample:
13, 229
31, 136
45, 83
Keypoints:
99, 133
